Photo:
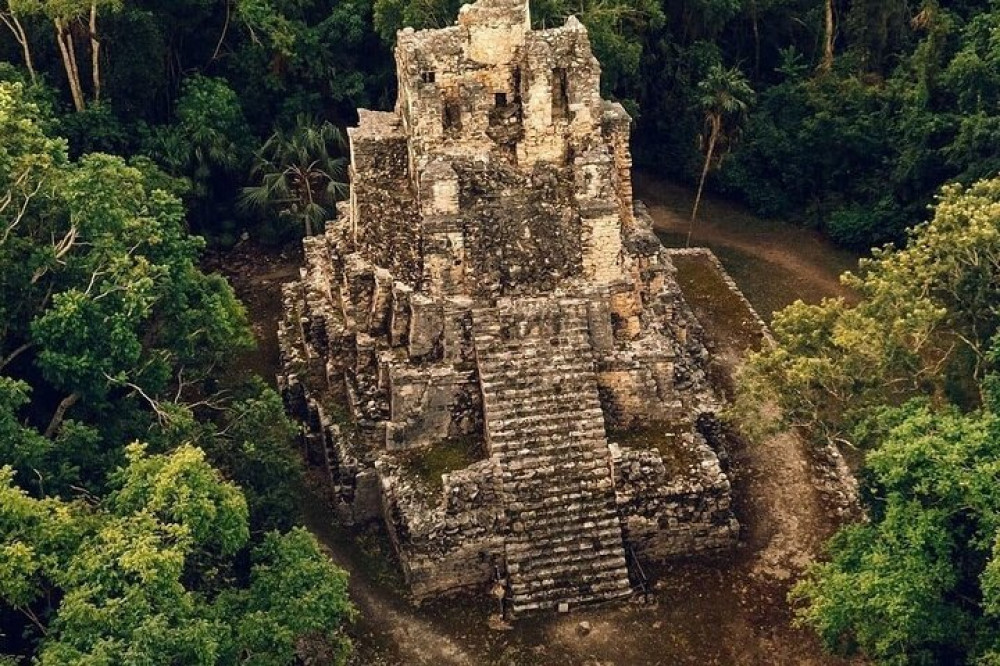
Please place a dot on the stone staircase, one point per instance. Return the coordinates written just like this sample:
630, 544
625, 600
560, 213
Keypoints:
544, 424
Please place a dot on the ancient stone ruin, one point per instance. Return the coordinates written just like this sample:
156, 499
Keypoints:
489, 346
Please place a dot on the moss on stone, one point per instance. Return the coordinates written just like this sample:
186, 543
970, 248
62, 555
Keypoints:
454, 453
722, 312
666, 438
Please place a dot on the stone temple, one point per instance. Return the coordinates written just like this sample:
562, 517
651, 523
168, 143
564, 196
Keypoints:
489, 346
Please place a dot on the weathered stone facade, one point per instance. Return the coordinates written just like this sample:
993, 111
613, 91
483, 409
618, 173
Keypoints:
477, 338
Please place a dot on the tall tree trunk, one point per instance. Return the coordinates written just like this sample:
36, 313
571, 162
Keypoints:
71, 49
756, 37
60, 414
95, 52
309, 198
12, 22
716, 124
225, 30
14, 354
826, 64
69, 63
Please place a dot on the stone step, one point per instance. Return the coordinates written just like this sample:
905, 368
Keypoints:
496, 339
516, 418
548, 400
562, 349
572, 496
611, 577
556, 472
504, 338
558, 530
543, 550
527, 381
541, 489
545, 424
532, 608
603, 554
609, 572
536, 449
492, 331
537, 430
567, 497
513, 445
571, 354
600, 514
549, 596
528, 385
536, 495
540, 398
583, 416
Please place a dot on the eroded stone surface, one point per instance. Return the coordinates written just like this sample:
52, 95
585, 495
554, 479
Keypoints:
475, 337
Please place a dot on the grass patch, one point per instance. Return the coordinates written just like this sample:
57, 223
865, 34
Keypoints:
376, 561
454, 453
665, 438
770, 286
723, 314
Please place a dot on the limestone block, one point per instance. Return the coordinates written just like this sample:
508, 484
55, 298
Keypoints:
426, 325
444, 262
365, 355
495, 31
625, 310
601, 240
367, 504
428, 405
438, 189
399, 325
359, 287
456, 339
381, 309
419, 408
472, 565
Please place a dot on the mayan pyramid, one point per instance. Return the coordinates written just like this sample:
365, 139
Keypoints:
491, 296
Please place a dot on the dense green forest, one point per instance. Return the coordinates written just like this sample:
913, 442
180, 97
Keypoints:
909, 375
851, 114
148, 487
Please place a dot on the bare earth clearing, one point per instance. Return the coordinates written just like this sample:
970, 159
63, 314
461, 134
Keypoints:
728, 609
773, 262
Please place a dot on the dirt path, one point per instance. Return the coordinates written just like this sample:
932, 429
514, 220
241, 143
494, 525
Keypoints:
774, 262
786, 518
388, 630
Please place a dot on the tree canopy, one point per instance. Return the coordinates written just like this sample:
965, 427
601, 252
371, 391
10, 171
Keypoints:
909, 375
111, 333
147, 575
924, 325
128, 127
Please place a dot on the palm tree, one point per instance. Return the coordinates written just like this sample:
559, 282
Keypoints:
301, 173
724, 96
826, 64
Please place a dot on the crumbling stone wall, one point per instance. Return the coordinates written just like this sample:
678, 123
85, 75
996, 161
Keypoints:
382, 195
448, 542
674, 507
522, 234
